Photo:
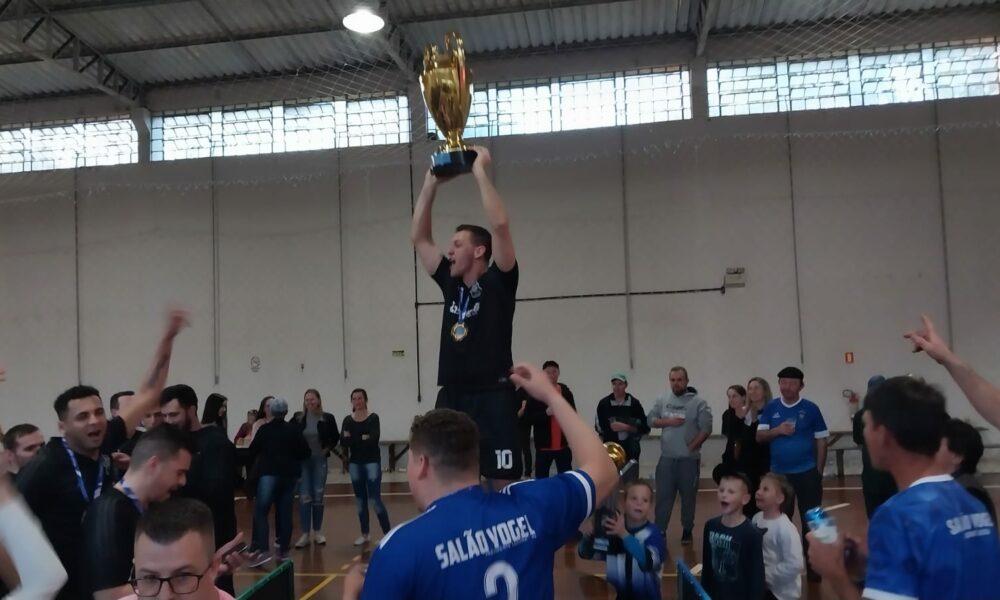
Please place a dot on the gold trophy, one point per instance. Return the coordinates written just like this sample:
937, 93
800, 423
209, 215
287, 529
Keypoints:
448, 96
610, 507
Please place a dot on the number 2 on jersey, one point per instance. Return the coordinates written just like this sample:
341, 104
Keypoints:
500, 570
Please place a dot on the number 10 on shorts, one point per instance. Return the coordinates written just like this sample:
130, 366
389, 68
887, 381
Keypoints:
505, 459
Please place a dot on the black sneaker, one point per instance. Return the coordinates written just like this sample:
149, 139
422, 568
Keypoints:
686, 538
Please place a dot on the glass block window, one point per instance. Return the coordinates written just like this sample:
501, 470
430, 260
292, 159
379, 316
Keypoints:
587, 104
309, 126
865, 78
375, 121
581, 102
890, 78
15, 150
247, 131
655, 96
113, 142
182, 136
743, 89
964, 71
817, 84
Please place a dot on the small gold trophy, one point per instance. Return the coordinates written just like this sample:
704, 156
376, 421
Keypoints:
448, 96
610, 507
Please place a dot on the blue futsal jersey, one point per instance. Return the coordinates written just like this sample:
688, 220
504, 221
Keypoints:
479, 545
932, 541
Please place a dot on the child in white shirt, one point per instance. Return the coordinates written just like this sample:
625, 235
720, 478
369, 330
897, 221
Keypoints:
783, 560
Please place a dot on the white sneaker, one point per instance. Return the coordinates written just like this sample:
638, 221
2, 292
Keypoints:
362, 540
303, 541
318, 538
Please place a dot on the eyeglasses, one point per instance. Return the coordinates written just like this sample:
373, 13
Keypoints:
184, 583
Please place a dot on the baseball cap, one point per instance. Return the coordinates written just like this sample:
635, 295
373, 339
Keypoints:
620, 376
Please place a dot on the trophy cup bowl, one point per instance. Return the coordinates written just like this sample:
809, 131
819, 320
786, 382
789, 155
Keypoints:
448, 96
616, 453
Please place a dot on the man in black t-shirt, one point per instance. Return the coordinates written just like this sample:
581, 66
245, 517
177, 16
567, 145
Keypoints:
160, 462
71, 471
212, 478
476, 329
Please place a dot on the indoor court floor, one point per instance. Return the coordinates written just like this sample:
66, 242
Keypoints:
319, 570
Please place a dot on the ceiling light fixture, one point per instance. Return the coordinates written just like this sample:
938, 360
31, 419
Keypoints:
363, 20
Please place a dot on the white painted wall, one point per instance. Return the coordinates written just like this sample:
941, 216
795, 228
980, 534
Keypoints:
695, 198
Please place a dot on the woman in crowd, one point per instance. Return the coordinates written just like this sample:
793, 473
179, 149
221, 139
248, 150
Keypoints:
243, 435
320, 431
360, 438
215, 411
263, 416
755, 458
733, 426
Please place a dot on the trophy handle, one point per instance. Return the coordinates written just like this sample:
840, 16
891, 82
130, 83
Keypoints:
455, 45
430, 57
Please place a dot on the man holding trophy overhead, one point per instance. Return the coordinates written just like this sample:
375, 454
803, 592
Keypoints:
476, 328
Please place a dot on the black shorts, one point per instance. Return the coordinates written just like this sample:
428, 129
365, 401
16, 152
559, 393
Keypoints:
494, 410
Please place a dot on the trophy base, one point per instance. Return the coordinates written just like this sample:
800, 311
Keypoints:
450, 164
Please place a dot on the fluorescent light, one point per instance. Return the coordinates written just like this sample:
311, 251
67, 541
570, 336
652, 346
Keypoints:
363, 21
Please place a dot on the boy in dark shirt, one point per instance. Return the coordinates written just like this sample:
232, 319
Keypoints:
732, 548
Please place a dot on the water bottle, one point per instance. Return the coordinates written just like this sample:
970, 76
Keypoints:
823, 526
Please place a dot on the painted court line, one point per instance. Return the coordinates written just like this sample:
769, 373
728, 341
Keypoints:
318, 587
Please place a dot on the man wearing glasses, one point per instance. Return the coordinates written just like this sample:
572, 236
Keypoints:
175, 553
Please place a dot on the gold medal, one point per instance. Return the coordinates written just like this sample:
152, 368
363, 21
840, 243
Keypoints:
459, 331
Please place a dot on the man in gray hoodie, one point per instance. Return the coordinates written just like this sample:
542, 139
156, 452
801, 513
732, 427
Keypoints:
686, 422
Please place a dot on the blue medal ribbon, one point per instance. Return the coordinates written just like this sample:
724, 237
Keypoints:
131, 496
79, 475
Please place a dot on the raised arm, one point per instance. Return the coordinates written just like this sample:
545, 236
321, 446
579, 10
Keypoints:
588, 451
496, 212
148, 397
984, 396
420, 230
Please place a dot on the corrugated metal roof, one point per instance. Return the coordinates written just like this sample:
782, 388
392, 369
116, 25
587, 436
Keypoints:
32, 79
291, 34
578, 24
740, 14
186, 64
140, 25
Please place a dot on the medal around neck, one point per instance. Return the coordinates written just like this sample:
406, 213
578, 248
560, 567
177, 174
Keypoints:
448, 96
459, 331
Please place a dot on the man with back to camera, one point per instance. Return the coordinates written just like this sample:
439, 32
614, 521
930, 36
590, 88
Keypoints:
476, 328
474, 544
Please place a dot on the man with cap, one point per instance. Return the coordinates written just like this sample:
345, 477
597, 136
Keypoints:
876, 486
621, 418
797, 433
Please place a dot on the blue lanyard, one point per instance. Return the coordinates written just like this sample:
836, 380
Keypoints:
463, 304
131, 496
79, 475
